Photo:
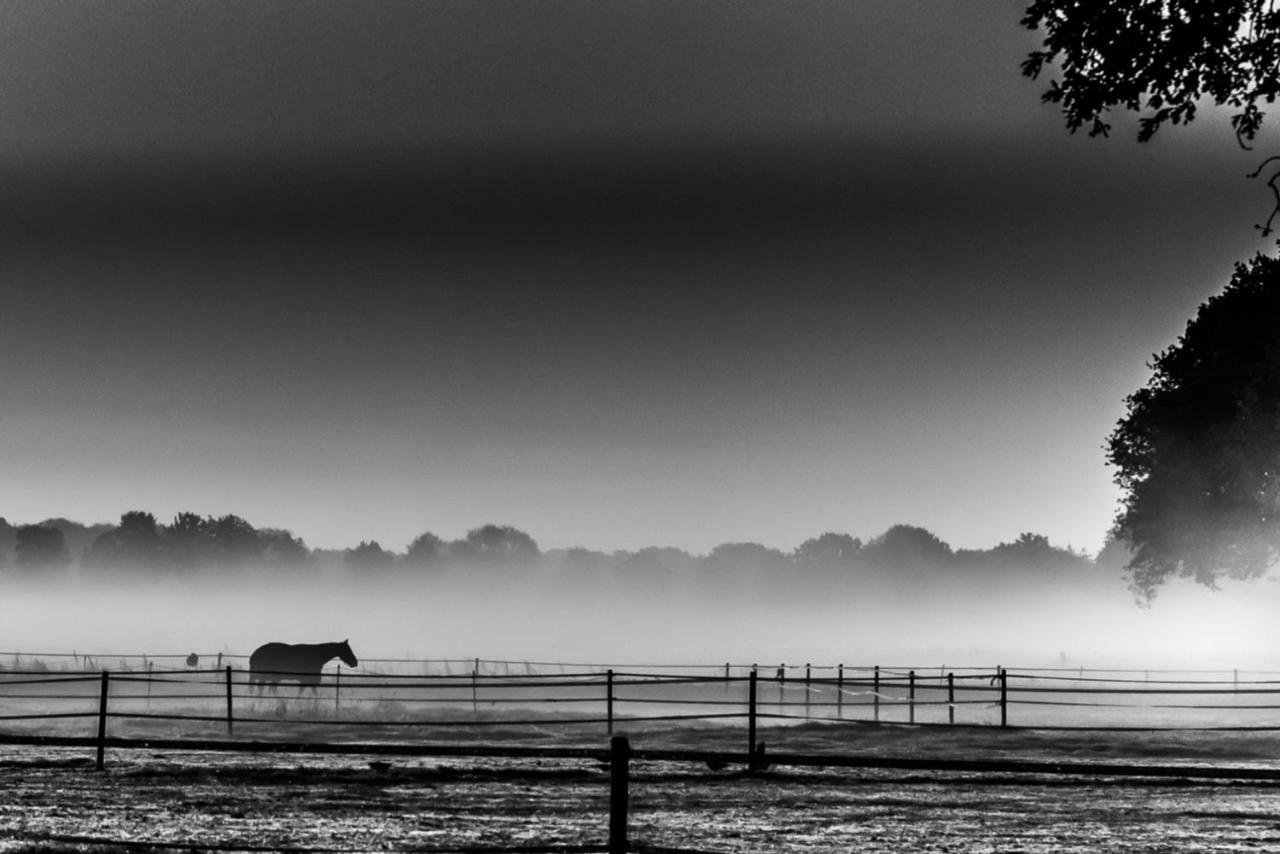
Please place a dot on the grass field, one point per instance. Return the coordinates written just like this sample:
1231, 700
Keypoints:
52, 800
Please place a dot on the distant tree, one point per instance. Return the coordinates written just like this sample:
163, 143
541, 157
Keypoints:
188, 540
1114, 556
40, 547
1197, 456
8, 536
279, 547
235, 541
654, 562
78, 537
746, 561
496, 544
1034, 553
368, 555
1162, 59
907, 548
134, 543
426, 548
828, 549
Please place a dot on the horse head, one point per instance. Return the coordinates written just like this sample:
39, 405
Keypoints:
348, 657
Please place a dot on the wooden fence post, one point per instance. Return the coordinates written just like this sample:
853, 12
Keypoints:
751, 720
807, 681
609, 699
102, 719
230, 708
951, 698
337, 690
911, 696
1004, 697
619, 760
875, 692
840, 691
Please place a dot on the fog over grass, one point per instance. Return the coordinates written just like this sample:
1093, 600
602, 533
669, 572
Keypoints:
538, 613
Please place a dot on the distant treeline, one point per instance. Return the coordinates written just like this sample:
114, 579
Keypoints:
193, 544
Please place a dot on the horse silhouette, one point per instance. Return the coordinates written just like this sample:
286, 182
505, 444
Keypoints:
273, 663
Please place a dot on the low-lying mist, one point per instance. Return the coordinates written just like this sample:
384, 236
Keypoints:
538, 615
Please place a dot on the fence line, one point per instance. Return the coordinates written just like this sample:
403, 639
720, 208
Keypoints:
774, 696
761, 696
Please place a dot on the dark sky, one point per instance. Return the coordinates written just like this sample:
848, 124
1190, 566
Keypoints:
619, 274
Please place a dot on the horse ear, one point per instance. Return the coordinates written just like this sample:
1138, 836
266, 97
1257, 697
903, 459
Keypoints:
346, 640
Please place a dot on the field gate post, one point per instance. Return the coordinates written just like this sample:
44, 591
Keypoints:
875, 692
1004, 697
609, 698
150, 669
840, 691
619, 762
102, 719
951, 698
230, 709
751, 719
337, 690
726, 677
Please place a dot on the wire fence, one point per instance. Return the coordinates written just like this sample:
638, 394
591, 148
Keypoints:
473, 693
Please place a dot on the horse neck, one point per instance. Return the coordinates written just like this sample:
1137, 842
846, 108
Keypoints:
327, 652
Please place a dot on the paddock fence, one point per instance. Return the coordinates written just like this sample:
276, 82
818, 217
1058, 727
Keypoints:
561, 711
401, 696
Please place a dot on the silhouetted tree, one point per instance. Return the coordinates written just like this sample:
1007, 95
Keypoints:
40, 548
426, 548
1164, 58
907, 548
188, 540
736, 563
828, 549
235, 541
368, 555
134, 543
1034, 554
1198, 454
1160, 59
495, 544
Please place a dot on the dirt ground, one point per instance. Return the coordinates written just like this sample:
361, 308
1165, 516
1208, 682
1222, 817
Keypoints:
52, 800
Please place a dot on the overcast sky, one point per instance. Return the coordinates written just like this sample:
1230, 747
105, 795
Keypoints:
618, 274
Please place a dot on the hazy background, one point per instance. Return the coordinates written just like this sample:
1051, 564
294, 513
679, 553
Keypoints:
672, 273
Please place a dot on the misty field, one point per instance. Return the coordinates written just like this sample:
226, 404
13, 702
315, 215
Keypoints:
52, 799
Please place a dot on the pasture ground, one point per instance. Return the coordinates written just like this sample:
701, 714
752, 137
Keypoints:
52, 799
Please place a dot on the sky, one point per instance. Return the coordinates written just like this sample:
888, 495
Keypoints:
617, 274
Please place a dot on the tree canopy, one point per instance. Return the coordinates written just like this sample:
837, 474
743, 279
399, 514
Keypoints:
1198, 454
1159, 57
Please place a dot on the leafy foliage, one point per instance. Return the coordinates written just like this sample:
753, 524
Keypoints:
1157, 56
1198, 454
